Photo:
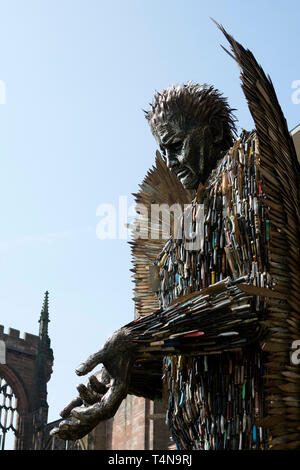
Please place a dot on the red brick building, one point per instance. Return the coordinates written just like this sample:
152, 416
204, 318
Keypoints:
139, 424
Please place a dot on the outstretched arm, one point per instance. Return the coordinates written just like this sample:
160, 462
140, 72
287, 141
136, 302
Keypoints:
219, 318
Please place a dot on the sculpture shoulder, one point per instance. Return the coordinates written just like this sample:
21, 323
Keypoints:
247, 144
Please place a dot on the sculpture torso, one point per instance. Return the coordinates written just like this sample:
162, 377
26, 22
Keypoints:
217, 402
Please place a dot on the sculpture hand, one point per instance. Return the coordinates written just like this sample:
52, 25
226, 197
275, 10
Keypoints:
101, 398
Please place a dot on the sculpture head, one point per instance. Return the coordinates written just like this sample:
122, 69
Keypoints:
192, 124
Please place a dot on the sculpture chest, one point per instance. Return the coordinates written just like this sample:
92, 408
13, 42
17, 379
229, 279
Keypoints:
217, 401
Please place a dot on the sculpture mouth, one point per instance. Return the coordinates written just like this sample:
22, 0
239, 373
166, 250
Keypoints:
182, 174
187, 178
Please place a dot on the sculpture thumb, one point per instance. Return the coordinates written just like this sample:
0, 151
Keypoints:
91, 362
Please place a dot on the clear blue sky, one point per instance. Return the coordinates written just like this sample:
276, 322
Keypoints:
73, 136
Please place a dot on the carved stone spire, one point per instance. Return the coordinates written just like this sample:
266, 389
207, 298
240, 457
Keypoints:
44, 318
43, 366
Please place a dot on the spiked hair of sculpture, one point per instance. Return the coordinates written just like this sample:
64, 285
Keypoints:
193, 105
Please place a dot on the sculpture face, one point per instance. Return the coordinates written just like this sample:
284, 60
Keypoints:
190, 153
192, 124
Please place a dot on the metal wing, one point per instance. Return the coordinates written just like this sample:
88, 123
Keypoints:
281, 182
160, 187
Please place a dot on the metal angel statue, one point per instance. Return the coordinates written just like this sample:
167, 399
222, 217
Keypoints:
218, 302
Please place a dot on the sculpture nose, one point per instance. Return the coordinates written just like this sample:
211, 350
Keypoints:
172, 160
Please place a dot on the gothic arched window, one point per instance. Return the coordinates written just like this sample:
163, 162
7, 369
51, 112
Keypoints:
9, 418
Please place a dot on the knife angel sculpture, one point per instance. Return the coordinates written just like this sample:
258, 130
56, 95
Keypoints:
218, 301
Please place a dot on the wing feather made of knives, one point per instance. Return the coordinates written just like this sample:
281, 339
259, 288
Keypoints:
159, 187
281, 182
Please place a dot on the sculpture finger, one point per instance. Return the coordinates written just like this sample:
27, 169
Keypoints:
104, 409
71, 429
87, 395
91, 362
96, 385
102, 376
67, 410
93, 413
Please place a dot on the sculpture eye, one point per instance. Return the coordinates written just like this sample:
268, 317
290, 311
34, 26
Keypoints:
176, 145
